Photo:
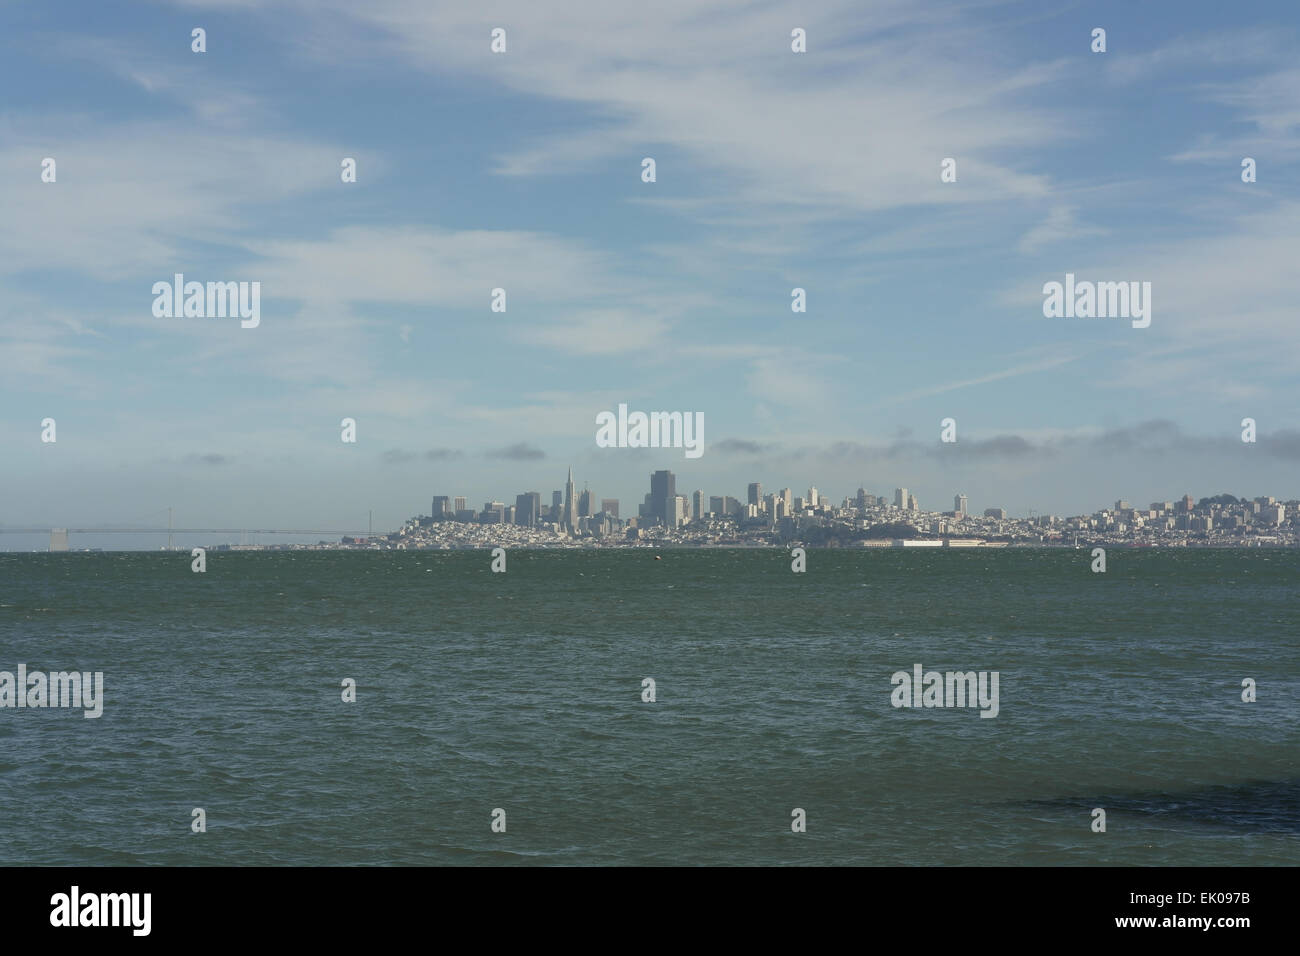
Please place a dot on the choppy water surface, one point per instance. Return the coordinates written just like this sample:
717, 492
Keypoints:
523, 691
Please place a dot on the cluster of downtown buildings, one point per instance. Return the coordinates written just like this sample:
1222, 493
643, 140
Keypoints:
664, 517
578, 515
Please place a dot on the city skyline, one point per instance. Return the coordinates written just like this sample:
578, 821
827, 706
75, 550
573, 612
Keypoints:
666, 518
568, 500
665, 506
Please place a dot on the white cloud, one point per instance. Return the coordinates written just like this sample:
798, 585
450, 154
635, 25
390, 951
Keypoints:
128, 200
858, 123
435, 267
604, 332
1060, 225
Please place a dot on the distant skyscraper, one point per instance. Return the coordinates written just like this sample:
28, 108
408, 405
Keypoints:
912, 504
609, 506
813, 498
663, 488
900, 498
959, 505
460, 503
557, 506
528, 509
586, 501
723, 505
570, 505
786, 496
698, 501
441, 505
678, 511
755, 492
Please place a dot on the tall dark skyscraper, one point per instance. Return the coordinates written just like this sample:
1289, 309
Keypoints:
586, 504
528, 509
557, 506
441, 505
663, 488
755, 492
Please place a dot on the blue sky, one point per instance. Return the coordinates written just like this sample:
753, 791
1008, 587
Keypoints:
522, 170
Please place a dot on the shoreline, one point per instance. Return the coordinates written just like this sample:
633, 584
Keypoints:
922, 545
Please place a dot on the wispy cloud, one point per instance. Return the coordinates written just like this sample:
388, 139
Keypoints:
712, 88
401, 456
520, 451
1060, 225
1041, 364
740, 446
1154, 438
